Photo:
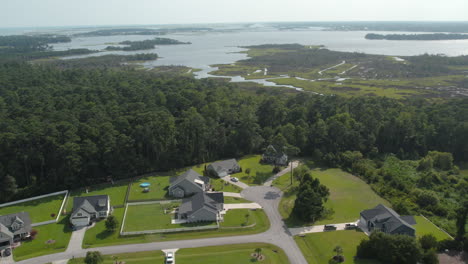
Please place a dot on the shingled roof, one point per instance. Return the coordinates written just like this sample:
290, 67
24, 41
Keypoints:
385, 215
210, 201
6, 222
91, 204
189, 175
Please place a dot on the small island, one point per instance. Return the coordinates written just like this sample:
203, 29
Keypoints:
434, 36
145, 44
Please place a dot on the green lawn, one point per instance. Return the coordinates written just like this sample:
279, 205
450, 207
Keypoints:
318, 247
223, 186
39, 210
349, 195
148, 257
153, 217
158, 188
233, 200
259, 173
424, 226
238, 218
231, 254
116, 192
228, 254
98, 236
50, 239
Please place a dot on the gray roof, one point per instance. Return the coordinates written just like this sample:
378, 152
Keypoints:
7, 220
210, 201
383, 214
274, 151
224, 165
91, 204
189, 175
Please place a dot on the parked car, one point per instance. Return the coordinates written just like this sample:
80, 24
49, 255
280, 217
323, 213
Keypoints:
350, 226
234, 179
329, 227
7, 252
169, 258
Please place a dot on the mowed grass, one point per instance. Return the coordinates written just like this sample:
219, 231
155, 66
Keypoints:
39, 210
318, 247
234, 200
98, 236
238, 218
148, 257
50, 239
231, 254
116, 192
259, 173
349, 195
423, 227
228, 254
157, 190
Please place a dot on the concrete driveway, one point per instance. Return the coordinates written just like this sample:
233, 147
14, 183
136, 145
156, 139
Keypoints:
316, 229
242, 206
231, 194
239, 183
281, 173
76, 240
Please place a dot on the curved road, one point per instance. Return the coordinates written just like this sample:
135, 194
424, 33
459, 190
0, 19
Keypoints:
278, 234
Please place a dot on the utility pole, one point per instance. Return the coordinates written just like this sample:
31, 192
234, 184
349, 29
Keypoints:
291, 173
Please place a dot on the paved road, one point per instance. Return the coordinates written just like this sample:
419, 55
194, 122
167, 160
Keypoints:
278, 234
281, 173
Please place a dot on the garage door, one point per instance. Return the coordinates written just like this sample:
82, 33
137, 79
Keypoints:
82, 221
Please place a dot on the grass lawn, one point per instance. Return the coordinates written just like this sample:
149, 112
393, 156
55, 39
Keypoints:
231, 254
259, 173
349, 195
58, 235
228, 254
220, 185
233, 200
39, 210
423, 226
152, 217
98, 236
148, 257
238, 218
116, 193
318, 247
158, 188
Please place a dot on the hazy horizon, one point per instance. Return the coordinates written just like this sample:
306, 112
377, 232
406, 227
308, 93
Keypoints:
66, 13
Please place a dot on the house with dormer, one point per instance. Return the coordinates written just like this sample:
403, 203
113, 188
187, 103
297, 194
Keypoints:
88, 209
384, 219
187, 184
202, 207
14, 228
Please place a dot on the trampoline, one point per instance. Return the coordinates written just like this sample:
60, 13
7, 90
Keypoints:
145, 184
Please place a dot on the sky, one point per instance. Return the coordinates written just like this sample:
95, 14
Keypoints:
49, 13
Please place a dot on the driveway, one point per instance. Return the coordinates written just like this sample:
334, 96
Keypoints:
281, 173
242, 206
239, 183
76, 240
278, 234
7, 260
316, 229
231, 194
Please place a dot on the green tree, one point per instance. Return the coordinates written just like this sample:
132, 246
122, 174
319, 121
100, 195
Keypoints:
93, 257
111, 223
428, 241
8, 188
310, 199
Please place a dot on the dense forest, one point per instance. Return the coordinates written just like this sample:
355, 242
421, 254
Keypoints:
434, 36
104, 61
145, 44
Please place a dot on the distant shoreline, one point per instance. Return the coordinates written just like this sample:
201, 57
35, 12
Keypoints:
434, 36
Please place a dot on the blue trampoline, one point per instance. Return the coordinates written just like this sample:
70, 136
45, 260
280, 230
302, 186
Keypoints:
145, 184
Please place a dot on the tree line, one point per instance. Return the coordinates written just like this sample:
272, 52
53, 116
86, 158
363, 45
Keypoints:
433, 36
145, 44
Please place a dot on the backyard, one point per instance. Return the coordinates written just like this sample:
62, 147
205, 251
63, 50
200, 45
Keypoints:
157, 189
116, 192
228, 254
259, 173
349, 195
424, 226
318, 247
238, 218
39, 210
51, 238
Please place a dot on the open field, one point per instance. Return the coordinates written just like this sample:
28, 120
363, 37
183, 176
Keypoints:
229, 254
39, 210
423, 227
258, 172
318, 247
98, 236
50, 239
238, 218
153, 217
116, 193
157, 190
349, 195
